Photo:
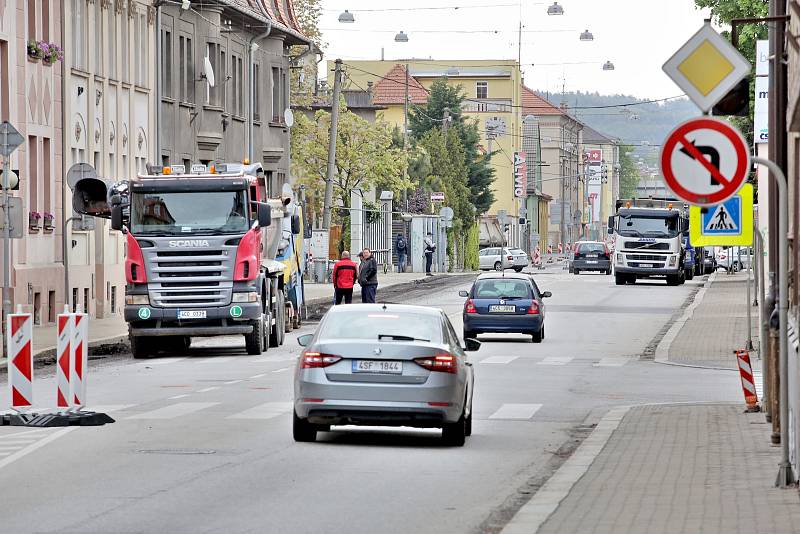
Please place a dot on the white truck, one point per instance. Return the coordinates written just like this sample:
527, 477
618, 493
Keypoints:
648, 240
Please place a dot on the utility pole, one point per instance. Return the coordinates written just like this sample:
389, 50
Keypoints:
445, 122
405, 139
563, 193
6, 235
337, 89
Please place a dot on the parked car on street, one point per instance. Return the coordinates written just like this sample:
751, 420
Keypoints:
386, 365
499, 258
734, 258
709, 261
504, 303
591, 256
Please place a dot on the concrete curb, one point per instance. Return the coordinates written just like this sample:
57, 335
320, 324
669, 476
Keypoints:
50, 352
535, 512
662, 350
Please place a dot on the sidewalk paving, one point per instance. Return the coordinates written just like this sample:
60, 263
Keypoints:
682, 468
718, 325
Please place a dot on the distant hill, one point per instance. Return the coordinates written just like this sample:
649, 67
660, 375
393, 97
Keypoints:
650, 123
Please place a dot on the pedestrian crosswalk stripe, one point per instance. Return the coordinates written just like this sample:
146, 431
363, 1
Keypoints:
206, 390
268, 410
276, 358
555, 360
516, 411
612, 361
499, 359
174, 410
161, 361
106, 408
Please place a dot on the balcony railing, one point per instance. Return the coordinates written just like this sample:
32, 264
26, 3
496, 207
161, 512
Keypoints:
488, 105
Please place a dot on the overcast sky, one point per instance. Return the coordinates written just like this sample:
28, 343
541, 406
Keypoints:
638, 36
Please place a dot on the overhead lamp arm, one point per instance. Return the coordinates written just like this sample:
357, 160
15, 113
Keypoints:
735, 23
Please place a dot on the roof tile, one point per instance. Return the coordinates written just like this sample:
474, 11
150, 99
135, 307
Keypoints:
391, 88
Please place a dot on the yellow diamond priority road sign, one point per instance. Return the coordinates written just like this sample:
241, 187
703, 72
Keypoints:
707, 67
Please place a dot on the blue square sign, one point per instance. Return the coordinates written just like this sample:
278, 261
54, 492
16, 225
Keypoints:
723, 219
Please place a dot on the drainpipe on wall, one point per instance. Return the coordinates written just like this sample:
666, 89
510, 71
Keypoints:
158, 86
251, 49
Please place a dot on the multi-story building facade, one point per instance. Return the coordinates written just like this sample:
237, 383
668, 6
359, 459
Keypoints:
243, 115
492, 90
601, 173
31, 99
109, 110
561, 162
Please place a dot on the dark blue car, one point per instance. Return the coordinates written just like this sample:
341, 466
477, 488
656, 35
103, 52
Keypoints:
504, 303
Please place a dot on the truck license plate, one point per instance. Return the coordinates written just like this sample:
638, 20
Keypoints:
645, 265
191, 314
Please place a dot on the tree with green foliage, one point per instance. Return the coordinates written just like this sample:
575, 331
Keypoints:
423, 119
628, 173
365, 158
723, 11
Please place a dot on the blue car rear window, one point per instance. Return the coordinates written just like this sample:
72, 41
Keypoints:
489, 289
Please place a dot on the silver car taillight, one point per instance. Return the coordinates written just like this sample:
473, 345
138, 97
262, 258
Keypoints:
442, 362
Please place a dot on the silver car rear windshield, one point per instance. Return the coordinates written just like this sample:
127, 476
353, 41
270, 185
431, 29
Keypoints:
358, 324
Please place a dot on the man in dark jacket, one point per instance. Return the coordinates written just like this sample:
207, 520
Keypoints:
368, 277
344, 277
430, 248
401, 247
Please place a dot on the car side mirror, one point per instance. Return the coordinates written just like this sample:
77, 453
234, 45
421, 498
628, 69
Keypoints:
264, 214
611, 224
463, 293
296, 224
305, 339
546, 295
116, 217
471, 345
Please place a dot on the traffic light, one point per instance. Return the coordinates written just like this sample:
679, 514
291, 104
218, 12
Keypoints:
90, 197
736, 102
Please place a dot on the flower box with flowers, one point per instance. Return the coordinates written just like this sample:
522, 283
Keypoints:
49, 219
49, 53
33, 221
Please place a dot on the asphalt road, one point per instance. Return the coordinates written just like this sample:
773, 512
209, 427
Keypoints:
203, 443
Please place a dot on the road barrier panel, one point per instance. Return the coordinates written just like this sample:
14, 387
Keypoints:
748, 383
65, 326
79, 356
19, 333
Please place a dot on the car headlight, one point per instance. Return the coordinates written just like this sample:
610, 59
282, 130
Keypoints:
619, 259
137, 300
250, 296
673, 260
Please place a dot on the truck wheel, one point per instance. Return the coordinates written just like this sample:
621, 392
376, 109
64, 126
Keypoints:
673, 280
620, 279
254, 341
288, 320
140, 347
277, 331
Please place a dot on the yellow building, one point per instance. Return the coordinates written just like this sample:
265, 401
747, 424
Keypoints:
493, 97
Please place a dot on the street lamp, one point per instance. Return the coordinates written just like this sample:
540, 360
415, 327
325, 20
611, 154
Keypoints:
347, 17
587, 36
401, 37
608, 66
555, 9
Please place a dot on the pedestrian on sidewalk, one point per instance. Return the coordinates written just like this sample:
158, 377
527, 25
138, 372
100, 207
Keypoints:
345, 272
401, 247
430, 248
368, 277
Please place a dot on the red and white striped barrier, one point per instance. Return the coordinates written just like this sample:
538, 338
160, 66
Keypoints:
19, 329
537, 256
64, 323
549, 249
748, 383
560, 248
80, 358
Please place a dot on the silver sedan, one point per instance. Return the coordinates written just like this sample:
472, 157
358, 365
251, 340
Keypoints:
384, 365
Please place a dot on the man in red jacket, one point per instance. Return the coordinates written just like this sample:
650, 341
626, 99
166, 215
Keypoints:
344, 276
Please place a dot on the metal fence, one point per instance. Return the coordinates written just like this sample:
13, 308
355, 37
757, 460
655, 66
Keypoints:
377, 235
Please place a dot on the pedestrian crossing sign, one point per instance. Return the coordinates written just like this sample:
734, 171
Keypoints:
725, 224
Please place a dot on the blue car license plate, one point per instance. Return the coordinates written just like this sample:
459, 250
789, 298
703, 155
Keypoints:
502, 309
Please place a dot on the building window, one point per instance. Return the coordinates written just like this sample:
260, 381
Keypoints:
186, 59
141, 50
47, 178
214, 94
46, 20
79, 22
98, 38
32, 19
482, 89
238, 85
112, 43
222, 78
276, 94
33, 173
166, 63
256, 93
284, 95
124, 48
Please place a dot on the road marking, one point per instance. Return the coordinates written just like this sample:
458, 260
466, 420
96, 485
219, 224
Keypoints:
217, 359
281, 370
180, 396
231, 382
104, 408
268, 410
258, 376
499, 359
269, 359
174, 410
206, 390
516, 411
33, 447
612, 361
24, 433
161, 361
555, 360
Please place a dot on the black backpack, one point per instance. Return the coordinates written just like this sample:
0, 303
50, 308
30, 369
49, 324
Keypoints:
401, 244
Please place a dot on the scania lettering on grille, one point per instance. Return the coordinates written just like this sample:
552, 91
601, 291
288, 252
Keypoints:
180, 243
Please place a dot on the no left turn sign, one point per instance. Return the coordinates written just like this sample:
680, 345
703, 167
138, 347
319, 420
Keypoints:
705, 161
